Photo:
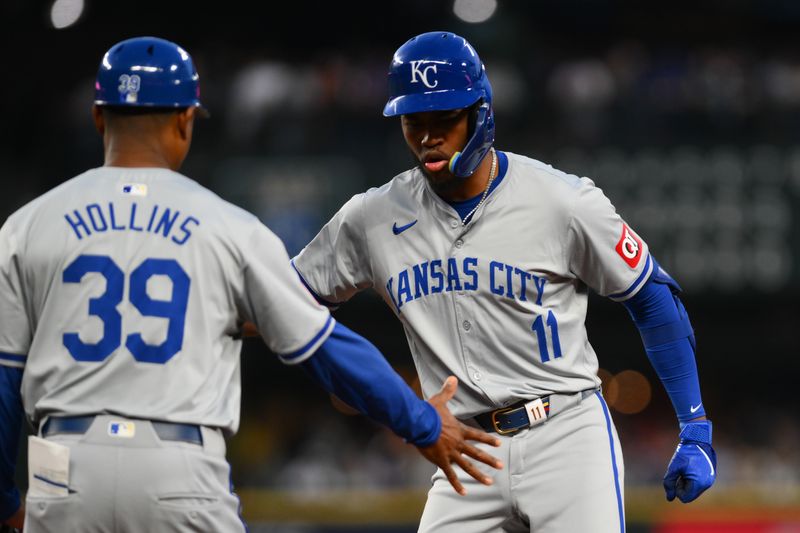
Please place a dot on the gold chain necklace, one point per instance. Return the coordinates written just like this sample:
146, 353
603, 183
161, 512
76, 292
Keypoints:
486, 191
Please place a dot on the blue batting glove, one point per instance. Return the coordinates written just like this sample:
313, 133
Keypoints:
693, 468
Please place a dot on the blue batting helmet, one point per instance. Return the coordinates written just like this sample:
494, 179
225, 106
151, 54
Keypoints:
147, 72
439, 71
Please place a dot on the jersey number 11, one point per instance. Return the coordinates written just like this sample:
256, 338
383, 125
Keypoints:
541, 336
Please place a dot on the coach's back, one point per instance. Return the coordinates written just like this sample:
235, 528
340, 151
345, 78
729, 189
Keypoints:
128, 291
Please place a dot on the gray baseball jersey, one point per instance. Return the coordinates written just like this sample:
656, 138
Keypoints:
123, 291
500, 302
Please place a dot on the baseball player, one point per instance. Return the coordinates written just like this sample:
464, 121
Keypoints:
122, 293
486, 258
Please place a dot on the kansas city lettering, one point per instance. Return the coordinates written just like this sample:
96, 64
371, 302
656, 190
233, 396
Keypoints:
451, 274
101, 218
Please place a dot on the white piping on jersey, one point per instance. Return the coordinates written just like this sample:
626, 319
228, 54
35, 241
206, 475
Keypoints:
637, 284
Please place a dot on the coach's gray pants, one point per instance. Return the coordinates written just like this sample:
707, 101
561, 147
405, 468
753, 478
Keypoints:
139, 485
563, 476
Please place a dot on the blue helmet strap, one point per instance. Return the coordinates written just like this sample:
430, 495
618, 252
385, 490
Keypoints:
465, 162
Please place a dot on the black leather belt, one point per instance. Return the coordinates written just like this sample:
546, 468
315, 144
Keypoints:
520, 415
165, 430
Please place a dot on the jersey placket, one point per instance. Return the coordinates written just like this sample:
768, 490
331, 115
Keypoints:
466, 325
466, 322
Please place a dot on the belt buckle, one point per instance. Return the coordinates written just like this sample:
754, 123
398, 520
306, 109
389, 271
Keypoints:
494, 421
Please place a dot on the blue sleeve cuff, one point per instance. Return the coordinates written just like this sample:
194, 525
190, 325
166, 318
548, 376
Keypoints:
699, 431
350, 367
430, 437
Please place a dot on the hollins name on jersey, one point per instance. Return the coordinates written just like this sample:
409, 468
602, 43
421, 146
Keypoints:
97, 218
445, 275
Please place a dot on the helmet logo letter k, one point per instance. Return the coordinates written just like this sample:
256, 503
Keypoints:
423, 73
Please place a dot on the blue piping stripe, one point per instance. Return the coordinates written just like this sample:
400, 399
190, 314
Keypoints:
51, 482
238, 501
302, 351
317, 297
13, 357
646, 271
613, 462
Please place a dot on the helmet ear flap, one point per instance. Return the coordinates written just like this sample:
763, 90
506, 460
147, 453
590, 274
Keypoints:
473, 118
465, 162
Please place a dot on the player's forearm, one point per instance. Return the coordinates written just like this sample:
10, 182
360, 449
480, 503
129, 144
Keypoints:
676, 368
350, 367
10, 427
669, 342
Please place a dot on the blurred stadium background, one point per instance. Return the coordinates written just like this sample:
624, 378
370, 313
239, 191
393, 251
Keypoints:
686, 113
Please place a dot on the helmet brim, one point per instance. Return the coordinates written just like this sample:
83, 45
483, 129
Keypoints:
202, 111
431, 101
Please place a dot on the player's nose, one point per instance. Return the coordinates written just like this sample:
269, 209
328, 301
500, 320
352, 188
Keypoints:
430, 139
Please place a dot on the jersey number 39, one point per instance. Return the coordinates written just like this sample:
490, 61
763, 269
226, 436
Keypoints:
105, 308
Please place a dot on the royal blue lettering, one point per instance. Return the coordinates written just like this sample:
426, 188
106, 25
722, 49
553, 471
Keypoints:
132, 225
523, 279
496, 289
403, 288
166, 222
113, 217
93, 210
469, 264
186, 231
434, 276
539, 282
438, 275
421, 279
152, 218
77, 224
453, 281
509, 281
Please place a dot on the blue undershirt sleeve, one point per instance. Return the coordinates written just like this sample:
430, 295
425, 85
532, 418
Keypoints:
350, 367
10, 428
669, 341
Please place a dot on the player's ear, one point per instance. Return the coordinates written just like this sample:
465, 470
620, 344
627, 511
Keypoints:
186, 122
99, 119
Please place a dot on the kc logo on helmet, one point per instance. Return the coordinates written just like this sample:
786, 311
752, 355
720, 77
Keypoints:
629, 247
423, 73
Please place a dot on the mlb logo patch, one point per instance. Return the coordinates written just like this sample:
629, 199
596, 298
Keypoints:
135, 189
629, 247
123, 430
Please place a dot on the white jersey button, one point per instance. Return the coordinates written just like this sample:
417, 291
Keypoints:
459, 243
477, 376
467, 325
454, 223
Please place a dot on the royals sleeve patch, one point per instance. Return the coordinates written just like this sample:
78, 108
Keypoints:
629, 247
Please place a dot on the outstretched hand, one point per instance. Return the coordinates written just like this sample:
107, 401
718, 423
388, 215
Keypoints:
452, 444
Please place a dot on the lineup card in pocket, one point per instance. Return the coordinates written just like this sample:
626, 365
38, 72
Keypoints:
48, 468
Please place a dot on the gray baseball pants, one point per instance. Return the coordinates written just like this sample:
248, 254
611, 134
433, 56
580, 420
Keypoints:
562, 476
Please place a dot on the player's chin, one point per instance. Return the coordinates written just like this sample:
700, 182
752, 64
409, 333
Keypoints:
440, 179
